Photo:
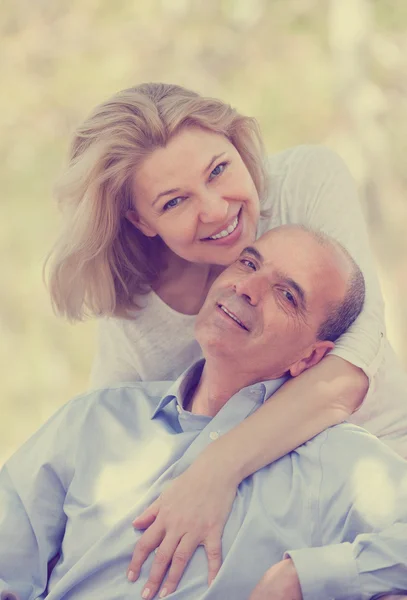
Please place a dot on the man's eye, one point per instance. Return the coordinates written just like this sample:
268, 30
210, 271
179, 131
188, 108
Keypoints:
218, 170
172, 203
290, 297
248, 263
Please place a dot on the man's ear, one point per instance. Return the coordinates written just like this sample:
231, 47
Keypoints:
132, 216
314, 355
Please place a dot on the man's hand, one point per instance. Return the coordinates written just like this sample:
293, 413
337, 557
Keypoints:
280, 582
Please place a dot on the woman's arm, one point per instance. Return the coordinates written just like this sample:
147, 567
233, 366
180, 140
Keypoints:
303, 407
325, 395
321, 193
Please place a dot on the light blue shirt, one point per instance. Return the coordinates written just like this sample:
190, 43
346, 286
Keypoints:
337, 505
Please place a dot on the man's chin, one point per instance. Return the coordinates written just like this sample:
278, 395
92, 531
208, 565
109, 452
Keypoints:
216, 345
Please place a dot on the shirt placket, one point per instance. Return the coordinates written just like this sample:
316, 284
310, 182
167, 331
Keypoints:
235, 411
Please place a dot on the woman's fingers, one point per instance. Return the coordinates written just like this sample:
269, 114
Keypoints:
148, 516
149, 541
174, 552
174, 557
213, 549
181, 557
194, 509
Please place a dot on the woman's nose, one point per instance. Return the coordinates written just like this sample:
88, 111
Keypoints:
214, 208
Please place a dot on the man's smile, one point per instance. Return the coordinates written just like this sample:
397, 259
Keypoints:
232, 316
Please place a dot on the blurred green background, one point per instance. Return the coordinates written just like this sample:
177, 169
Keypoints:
324, 71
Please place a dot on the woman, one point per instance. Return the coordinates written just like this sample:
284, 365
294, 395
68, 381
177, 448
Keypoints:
164, 188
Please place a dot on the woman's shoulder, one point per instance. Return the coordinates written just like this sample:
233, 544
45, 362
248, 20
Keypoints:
150, 313
153, 343
302, 159
295, 178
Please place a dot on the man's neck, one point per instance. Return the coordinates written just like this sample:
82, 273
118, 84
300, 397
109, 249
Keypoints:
218, 383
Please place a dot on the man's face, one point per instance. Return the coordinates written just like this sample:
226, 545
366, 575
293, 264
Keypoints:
264, 311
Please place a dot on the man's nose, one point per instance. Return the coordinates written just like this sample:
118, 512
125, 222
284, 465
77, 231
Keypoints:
213, 208
251, 288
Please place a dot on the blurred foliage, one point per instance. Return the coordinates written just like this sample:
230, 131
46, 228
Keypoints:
278, 60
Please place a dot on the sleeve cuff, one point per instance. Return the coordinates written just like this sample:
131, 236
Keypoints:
327, 572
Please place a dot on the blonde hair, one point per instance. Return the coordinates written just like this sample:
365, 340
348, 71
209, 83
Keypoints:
101, 262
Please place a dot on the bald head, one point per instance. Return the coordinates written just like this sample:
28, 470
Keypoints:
281, 305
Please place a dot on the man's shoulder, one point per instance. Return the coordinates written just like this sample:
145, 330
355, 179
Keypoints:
114, 396
342, 445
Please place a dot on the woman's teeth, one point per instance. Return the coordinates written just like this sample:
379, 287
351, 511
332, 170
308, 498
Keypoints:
225, 232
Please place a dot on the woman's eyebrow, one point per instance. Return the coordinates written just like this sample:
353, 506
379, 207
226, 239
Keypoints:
177, 190
161, 194
214, 159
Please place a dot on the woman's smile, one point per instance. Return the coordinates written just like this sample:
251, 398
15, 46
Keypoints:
215, 207
228, 234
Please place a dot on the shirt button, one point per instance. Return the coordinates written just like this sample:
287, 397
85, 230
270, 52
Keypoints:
214, 435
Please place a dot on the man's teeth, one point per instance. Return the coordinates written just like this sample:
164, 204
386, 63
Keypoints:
225, 310
225, 232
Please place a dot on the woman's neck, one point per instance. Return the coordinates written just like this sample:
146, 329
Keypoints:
184, 285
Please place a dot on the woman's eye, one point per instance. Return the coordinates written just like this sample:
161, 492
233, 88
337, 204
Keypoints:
218, 170
290, 297
172, 203
248, 263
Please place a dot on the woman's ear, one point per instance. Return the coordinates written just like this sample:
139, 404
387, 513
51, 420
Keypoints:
132, 216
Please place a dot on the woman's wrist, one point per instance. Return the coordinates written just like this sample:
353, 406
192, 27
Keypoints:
221, 462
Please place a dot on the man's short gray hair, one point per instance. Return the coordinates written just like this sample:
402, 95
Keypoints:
342, 314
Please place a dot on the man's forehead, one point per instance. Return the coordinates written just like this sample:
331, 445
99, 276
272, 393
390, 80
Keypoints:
294, 253
290, 245
279, 244
281, 235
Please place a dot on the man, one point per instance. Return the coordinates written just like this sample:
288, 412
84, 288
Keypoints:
74, 487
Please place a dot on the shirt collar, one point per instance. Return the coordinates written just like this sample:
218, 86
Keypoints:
180, 388
272, 386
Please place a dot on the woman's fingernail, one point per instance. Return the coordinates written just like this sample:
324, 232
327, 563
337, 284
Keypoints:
131, 576
145, 593
163, 593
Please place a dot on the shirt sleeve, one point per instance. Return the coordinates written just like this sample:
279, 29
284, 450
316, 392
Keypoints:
33, 484
361, 534
114, 360
326, 199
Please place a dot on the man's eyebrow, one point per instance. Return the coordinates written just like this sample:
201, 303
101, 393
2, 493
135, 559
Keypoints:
177, 190
282, 276
297, 288
254, 252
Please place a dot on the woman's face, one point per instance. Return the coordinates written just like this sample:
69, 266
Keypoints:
198, 196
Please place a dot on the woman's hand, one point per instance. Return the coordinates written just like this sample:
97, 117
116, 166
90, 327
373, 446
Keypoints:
192, 511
